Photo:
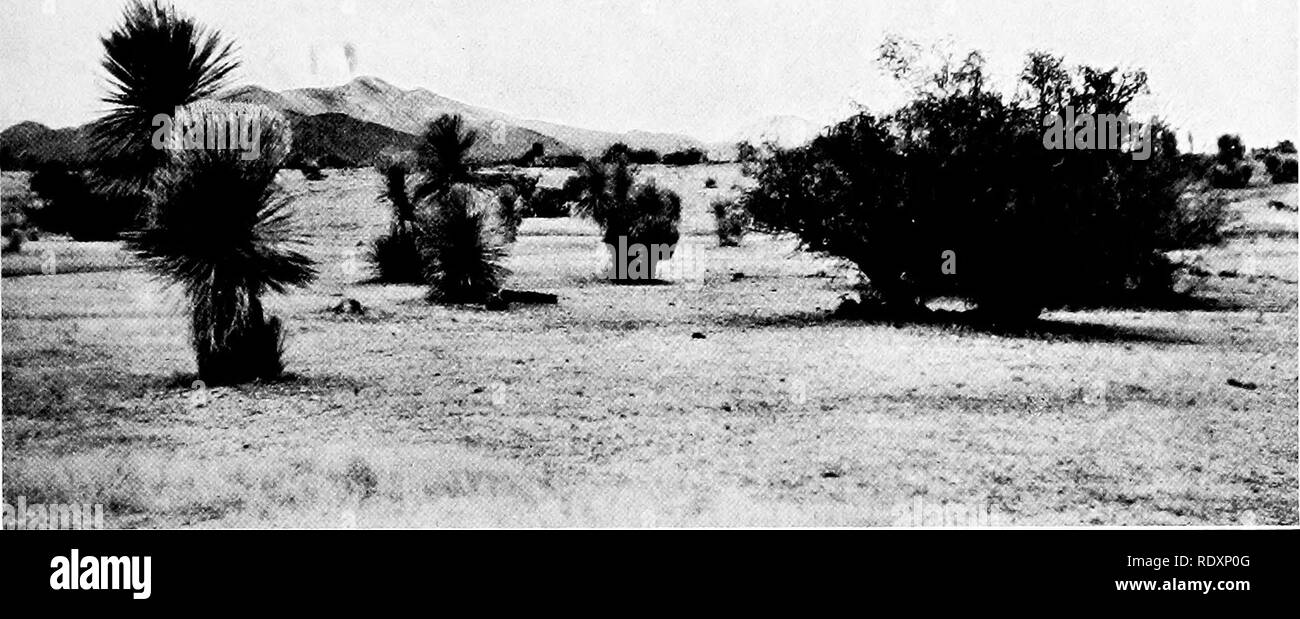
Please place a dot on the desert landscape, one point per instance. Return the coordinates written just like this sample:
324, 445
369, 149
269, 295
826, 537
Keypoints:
608, 410
781, 369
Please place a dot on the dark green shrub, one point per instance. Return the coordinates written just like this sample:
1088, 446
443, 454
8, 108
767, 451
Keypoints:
955, 195
690, 156
1231, 175
1231, 150
1284, 172
548, 202
620, 151
81, 205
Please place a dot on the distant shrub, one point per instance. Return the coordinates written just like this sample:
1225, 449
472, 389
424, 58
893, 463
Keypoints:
460, 256
639, 156
1230, 175
509, 212
1285, 172
1231, 150
710, 183
14, 239
532, 156
336, 161
562, 161
1198, 221
690, 156
75, 205
548, 202
1285, 147
731, 221
312, 172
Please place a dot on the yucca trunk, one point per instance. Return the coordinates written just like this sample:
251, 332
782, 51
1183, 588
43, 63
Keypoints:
233, 340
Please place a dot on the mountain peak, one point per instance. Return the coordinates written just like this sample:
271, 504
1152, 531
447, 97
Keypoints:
371, 82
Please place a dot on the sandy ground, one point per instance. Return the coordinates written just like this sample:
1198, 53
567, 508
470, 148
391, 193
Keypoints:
728, 397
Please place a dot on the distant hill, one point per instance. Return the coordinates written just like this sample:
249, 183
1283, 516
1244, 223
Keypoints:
374, 100
355, 121
29, 144
334, 139
784, 131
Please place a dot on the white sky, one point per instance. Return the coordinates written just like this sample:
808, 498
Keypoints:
701, 67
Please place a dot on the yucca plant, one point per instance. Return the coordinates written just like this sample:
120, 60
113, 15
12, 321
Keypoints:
461, 258
628, 213
394, 255
443, 155
157, 60
218, 228
604, 191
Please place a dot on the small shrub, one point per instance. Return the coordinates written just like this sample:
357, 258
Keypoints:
461, 259
76, 203
1285, 172
509, 212
620, 151
1285, 147
690, 156
312, 172
14, 240
1231, 175
731, 220
548, 202
1231, 150
710, 183
395, 257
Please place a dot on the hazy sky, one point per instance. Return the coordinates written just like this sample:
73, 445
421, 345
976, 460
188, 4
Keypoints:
701, 67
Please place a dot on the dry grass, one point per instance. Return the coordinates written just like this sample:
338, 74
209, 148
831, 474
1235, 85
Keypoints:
605, 410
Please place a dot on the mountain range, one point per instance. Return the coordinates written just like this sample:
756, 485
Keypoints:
353, 122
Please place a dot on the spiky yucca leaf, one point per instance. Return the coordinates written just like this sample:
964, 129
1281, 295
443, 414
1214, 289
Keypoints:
443, 155
395, 257
156, 60
462, 260
604, 193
